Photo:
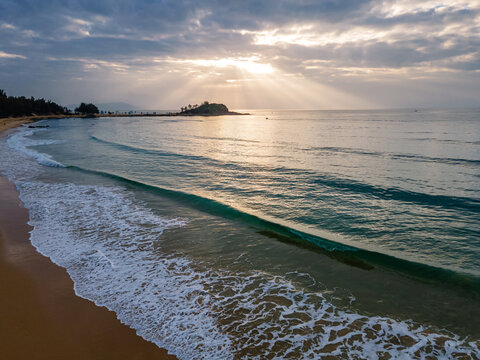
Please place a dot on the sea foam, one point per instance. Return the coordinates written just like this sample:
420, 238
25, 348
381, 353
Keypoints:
107, 244
20, 141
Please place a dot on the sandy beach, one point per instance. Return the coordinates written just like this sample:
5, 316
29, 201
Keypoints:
12, 122
41, 317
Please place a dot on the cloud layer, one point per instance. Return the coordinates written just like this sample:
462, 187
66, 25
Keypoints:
314, 54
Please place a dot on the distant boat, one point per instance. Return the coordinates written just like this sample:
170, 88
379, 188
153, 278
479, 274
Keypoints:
415, 110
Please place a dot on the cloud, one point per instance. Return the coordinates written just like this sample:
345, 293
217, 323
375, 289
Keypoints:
8, 26
4, 55
348, 44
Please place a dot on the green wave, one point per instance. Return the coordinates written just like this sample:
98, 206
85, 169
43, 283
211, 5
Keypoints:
365, 260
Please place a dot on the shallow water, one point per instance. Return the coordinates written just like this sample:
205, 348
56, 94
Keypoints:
349, 233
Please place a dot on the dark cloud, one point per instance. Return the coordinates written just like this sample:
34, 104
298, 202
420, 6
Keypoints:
71, 39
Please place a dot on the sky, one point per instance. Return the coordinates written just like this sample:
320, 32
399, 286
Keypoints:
285, 54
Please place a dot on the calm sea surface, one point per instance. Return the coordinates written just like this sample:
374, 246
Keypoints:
281, 234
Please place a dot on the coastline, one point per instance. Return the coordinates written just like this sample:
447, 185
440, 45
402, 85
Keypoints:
42, 317
12, 122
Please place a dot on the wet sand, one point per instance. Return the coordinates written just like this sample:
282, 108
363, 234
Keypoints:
12, 122
40, 315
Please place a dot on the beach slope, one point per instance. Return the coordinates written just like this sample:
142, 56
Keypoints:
41, 317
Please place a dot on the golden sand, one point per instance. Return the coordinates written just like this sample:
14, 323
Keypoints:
40, 315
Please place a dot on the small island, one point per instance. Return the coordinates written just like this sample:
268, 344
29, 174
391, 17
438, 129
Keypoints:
206, 109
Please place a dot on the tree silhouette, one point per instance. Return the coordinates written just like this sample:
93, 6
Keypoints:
21, 106
205, 109
87, 109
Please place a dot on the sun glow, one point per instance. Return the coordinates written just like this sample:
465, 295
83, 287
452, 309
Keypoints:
241, 83
250, 64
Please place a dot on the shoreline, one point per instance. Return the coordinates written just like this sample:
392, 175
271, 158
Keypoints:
12, 122
42, 317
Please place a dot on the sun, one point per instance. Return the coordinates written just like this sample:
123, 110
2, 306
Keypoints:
255, 67
249, 64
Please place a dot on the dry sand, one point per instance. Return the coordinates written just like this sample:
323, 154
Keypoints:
8, 123
40, 315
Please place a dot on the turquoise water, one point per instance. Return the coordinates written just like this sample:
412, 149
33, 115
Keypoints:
260, 226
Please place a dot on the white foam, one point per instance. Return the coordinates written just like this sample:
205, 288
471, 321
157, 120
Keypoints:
106, 242
21, 142
269, 315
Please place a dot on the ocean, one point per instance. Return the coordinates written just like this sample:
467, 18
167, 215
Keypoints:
274, 235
